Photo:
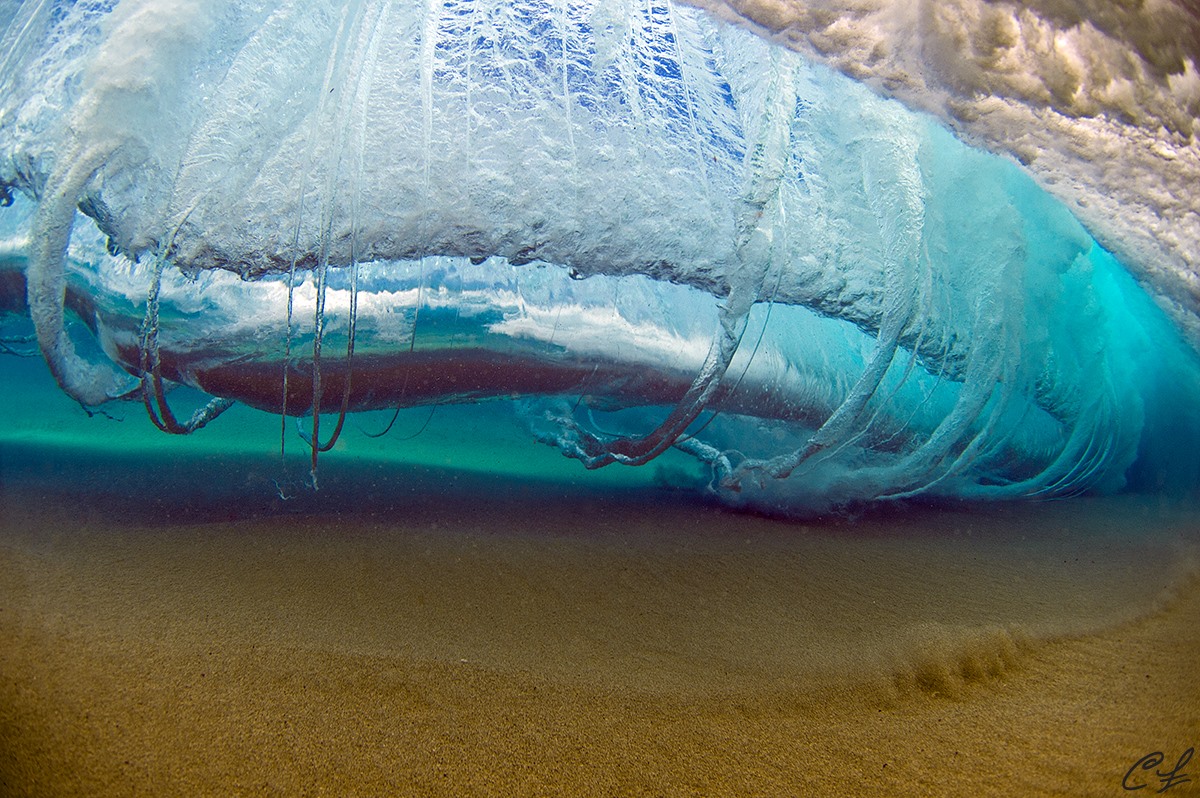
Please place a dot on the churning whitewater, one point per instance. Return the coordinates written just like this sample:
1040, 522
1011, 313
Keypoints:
649, 224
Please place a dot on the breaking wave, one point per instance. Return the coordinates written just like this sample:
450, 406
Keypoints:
648, 226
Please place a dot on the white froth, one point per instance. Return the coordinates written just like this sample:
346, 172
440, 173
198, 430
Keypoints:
1101, 101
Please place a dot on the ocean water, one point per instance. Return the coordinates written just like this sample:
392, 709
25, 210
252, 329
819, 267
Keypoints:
493, 398
685, 238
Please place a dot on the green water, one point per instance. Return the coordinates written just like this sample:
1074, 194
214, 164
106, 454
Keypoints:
480, 440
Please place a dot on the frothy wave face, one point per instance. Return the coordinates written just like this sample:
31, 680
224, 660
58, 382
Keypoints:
1101, 100
654, 228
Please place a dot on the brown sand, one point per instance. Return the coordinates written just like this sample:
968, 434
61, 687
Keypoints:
595, 647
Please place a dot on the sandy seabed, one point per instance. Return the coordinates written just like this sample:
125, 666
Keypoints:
428, 633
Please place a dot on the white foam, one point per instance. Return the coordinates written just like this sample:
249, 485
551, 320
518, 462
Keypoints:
1100, 100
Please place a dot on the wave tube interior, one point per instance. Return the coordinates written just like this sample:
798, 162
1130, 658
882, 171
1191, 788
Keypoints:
648, 227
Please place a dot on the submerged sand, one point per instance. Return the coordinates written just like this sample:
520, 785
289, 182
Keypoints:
522, 639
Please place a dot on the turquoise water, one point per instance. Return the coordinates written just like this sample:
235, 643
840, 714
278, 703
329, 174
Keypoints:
448, 442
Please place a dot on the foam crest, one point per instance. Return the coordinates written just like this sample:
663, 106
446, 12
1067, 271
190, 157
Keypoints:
1101, 101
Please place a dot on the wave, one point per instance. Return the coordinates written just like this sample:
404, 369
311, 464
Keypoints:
649, 226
